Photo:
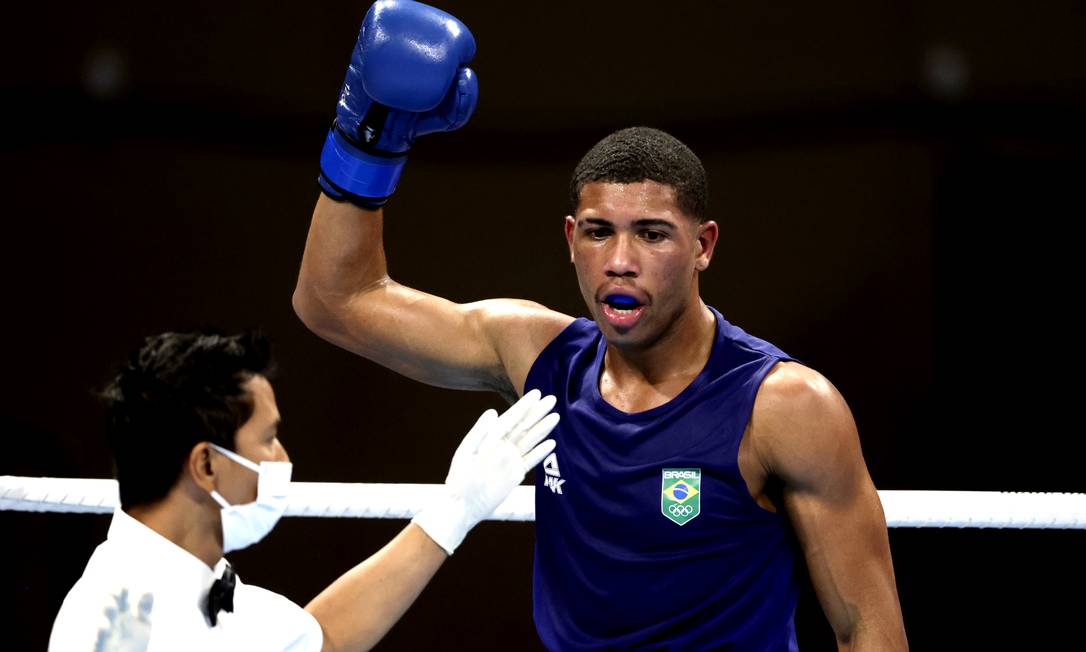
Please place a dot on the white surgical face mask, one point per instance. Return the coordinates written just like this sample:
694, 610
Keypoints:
244, 525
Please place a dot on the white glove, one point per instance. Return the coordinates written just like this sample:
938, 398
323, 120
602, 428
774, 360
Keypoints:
487, 466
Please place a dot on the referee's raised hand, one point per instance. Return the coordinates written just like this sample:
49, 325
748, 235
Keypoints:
489, 463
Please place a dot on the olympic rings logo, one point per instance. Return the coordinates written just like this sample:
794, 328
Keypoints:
680, 510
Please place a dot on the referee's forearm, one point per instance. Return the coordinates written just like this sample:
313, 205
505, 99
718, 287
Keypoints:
359, 608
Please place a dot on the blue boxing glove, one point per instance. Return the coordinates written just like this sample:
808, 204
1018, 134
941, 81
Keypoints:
408, 77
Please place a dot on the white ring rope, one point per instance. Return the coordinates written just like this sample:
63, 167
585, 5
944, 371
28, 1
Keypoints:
962, 509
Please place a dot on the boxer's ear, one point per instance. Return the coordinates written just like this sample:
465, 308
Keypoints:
570, 227
708, 232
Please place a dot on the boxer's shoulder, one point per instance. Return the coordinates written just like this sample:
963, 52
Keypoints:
518, 330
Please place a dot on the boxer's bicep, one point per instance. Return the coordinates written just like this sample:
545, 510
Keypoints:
518, 331
807, 436
422, 336
485, 345
345, 296
842, 532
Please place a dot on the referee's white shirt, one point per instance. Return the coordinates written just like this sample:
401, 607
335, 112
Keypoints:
140, 592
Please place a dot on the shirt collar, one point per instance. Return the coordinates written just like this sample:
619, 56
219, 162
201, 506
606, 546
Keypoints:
188, 577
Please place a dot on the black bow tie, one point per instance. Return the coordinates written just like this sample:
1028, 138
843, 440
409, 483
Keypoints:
221, 595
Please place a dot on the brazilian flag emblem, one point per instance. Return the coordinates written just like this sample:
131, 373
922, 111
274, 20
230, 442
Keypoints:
680, 497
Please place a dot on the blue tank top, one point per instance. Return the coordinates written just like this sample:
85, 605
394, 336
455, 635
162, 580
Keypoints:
646, 535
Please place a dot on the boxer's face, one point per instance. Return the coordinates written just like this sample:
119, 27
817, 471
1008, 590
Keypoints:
257, 440
632, 243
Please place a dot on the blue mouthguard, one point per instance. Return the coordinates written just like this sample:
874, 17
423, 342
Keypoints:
622, 301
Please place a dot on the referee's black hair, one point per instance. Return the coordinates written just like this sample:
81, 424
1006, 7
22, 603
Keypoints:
643, 153
177, 390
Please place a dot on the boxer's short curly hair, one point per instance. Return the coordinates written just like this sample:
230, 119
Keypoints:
639, 154
177, 390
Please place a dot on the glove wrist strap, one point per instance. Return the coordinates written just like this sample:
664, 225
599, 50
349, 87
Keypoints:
362, 177
445, 521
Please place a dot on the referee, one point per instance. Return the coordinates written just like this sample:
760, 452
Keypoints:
192, 422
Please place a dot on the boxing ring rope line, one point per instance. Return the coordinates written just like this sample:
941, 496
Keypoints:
960, 509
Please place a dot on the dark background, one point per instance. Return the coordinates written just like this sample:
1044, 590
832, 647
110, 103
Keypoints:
898, 185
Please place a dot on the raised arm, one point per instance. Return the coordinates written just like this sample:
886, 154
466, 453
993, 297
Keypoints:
408, 77
803, 433
345, 296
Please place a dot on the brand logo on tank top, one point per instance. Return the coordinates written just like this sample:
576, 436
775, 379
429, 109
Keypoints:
554, 479
680, 495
